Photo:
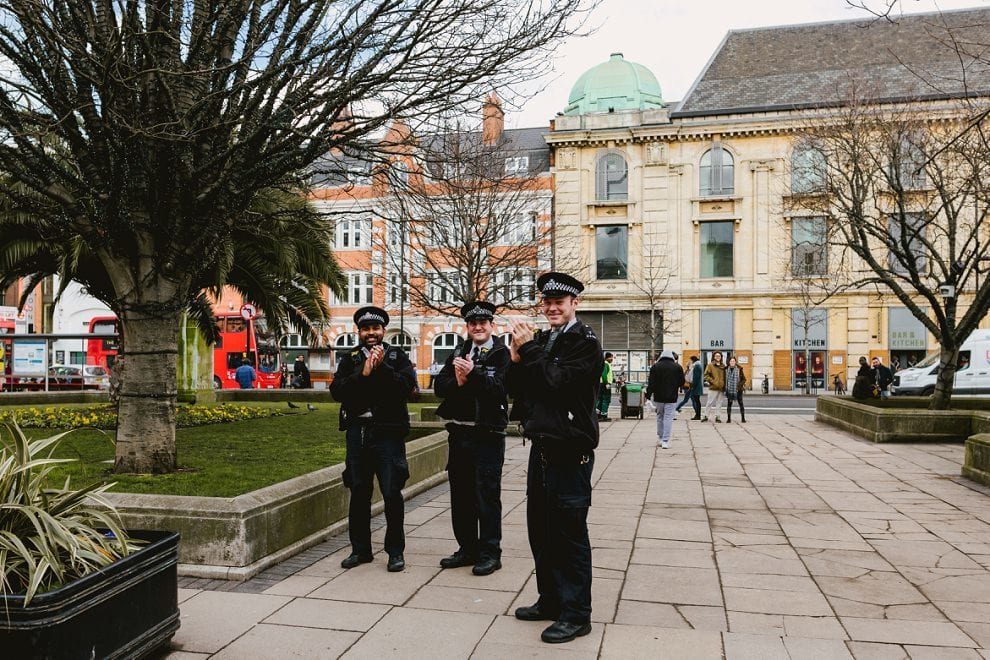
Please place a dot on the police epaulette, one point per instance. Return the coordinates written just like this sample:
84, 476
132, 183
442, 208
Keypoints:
588, 332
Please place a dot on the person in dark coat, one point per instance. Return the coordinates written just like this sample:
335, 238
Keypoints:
553, 380
300, 374
373, 384
883, 377
865, 379
666, 377
472, 386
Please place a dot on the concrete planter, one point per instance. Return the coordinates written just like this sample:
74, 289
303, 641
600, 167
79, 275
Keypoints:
976, 465
235, 538
896, 424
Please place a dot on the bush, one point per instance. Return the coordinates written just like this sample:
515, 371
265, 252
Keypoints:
50, 536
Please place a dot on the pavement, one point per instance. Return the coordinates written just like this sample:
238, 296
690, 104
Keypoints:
779, 538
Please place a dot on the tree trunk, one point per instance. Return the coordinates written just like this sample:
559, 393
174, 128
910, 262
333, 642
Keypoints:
948, 359
146, 414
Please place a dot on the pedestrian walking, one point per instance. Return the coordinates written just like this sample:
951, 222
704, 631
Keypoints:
300, 373
434, 372
471, 385
666, 377
373, 384
605, 389
735, 386
245, 375
883, 377
697, 385
686, 387
715, 380
553, 380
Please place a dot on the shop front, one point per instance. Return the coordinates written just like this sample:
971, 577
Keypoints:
908, 338
809, 345
717, 334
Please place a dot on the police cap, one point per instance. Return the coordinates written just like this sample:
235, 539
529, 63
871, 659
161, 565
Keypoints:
478, 310
558, 285
371, 315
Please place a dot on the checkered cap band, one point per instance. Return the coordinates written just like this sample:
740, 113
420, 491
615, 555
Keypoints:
553, 286
371, 317
478, 310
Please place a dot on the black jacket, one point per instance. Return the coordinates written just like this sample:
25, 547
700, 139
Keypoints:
300, 374
666, 378
385, 392
863, 385
884, 376
554, 394
482, 399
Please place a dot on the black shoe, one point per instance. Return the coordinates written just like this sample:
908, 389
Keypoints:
396, 563
561, 631
457, 560
354, 559
696, 418
534, 613
486, 566
605, 419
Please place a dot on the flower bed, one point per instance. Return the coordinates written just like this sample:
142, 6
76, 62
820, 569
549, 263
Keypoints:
105, 416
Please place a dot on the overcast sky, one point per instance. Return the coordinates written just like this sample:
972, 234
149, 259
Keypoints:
676, 38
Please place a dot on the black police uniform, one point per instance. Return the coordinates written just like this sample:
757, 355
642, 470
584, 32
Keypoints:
554, 391
375, 442
476, 449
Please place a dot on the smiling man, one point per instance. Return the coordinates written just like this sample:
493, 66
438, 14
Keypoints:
472, 386
373, 384
553, 381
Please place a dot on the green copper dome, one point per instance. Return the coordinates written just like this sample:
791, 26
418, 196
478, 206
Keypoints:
613, 86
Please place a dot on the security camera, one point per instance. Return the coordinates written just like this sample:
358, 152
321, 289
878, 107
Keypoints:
947, 291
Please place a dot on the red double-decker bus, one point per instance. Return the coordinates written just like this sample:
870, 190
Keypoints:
239, 339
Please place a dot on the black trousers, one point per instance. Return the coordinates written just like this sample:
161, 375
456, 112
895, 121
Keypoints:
558, 496
474, 468
374, 453
742, 408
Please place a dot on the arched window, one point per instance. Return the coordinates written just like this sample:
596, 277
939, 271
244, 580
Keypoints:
347, 340
717, 172
807, 170
611, 178
443, 346
402, 340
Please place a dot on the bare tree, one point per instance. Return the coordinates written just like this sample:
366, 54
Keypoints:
472, 213
904, 194
153, 125
653, 283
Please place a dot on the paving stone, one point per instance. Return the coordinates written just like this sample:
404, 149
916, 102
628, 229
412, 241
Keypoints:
330, 614
458, 599
760, 560
663, 584
415, 633
371, 583
210, 620
875, 587
622, 642
769, 601
906, 632
741, 646
941, 653
297, 585
266, 641
507, 631
874, 651
661, 615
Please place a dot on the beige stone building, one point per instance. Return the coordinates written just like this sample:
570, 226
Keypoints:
683, 209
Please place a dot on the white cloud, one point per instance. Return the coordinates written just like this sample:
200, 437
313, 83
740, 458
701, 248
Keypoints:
676, 38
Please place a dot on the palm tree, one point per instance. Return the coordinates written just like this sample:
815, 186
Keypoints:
278, 255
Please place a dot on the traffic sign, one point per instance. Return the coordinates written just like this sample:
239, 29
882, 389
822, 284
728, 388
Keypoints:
248, 311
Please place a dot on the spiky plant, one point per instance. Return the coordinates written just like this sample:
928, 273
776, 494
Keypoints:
50, 536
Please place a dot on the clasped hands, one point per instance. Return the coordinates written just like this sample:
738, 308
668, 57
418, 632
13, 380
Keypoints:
375, 357
522, 332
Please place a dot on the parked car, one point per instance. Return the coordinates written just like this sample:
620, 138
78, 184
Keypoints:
972, 371
65, 377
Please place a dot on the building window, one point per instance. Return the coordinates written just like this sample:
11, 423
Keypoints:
360, 287
612, 252
518, 286
352, 234
907, 243
346, 340
400, 174
454, 171
396, 291
519, 228
517, 165
443, 346
402, 340
611, 178
717, 172
397, 233
908, 165
807, 170
440, 288
716, 249
808, 246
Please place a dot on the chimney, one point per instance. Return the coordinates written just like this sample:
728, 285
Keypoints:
493, 120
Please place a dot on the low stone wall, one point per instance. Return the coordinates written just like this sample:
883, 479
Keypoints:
977, 463
295, 395
52, 398
235, 538
896, 424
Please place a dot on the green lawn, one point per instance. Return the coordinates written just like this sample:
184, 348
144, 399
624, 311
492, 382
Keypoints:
219, 460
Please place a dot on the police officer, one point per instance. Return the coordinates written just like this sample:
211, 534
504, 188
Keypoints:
373, 384
553, 380
472, 386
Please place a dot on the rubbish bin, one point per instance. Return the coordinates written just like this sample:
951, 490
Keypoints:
631, 400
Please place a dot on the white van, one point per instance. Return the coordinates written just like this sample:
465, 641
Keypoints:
972, 375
